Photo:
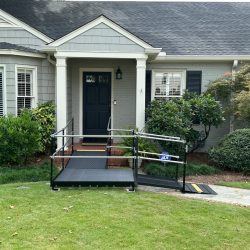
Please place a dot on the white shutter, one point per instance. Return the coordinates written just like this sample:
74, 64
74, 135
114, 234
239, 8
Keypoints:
1, 93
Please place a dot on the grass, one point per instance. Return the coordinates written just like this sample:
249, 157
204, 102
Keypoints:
34, 217
38, 172
169, 169
236, 184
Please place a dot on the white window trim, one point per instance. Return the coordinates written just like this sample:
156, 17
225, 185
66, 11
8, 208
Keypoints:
168, 70
3, 66
34, 76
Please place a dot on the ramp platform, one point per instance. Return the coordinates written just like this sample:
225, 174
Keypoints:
92, 172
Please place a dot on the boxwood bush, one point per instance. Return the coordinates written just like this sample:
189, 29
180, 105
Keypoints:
19, 138
233, 151
45, 114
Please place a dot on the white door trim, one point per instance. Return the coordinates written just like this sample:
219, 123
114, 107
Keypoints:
81, 71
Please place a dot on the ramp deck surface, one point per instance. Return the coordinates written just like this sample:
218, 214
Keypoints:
93, 171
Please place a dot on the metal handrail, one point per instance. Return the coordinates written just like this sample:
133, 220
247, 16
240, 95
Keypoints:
134, 148
149, 153
91, 156
53, 135
161, 136
154, 159
162, 139
97, 136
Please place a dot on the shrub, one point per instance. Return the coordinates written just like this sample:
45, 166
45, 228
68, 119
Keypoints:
169, 170
233, 151
34, 173
19, 137
45, 115
143, 145
175, 117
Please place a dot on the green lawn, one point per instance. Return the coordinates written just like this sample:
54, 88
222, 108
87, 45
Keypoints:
34, 217
236, 184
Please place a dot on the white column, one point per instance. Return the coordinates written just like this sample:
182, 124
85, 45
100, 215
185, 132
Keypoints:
140, 92
61, 95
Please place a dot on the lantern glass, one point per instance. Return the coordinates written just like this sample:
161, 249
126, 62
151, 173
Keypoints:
118, 74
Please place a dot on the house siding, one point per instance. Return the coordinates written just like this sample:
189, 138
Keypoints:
45, 79
20, 37
210, 72
123, 90
101, 38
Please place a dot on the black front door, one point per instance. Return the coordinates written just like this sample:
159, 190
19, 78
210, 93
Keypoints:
96, 102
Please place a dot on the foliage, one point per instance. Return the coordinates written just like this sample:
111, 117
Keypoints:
175, 117
235, 184
169, 170
233, 151
242, 105
20, 138
100, 218
143, 145
38, 172
234, 92
45, 115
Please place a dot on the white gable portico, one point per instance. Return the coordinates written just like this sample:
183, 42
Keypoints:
104, 42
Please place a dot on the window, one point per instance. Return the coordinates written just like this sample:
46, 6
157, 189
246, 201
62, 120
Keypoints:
1, 91
26, 88
168, 83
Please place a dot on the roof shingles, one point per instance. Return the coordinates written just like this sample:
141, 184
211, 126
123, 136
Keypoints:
179, 28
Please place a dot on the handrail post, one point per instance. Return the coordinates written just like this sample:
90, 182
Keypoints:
184, 169
52, 145
72, 139
137, 158
63, 133
133, 149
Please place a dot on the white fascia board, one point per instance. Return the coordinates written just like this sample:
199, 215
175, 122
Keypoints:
21, 53
153, 50
100, 55
163, 58
99, 20
25, 26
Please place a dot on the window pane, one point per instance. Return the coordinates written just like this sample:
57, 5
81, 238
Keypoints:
24, 79
175, 84
161, 81
23, 102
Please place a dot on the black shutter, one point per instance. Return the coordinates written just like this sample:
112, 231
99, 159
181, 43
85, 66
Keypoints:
148, 88
194, 81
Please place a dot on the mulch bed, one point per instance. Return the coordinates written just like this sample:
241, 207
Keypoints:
215, 179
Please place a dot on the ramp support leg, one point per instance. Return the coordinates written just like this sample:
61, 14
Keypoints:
184, 169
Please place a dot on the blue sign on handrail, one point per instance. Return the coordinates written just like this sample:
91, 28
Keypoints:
165, 156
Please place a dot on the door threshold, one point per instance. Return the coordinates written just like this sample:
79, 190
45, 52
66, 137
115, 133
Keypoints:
94, 144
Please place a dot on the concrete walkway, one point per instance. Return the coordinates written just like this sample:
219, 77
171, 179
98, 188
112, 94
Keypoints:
229, 195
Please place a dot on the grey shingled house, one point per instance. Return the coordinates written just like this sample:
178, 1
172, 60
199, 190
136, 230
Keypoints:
102, 59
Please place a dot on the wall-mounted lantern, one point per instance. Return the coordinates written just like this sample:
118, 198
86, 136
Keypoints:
118, 74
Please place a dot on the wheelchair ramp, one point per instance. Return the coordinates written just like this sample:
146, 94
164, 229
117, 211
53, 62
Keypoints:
93, 172
198, 189
157, 181
164, 182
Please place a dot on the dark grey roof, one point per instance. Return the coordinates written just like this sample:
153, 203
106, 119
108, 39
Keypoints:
16, 47
179, 28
